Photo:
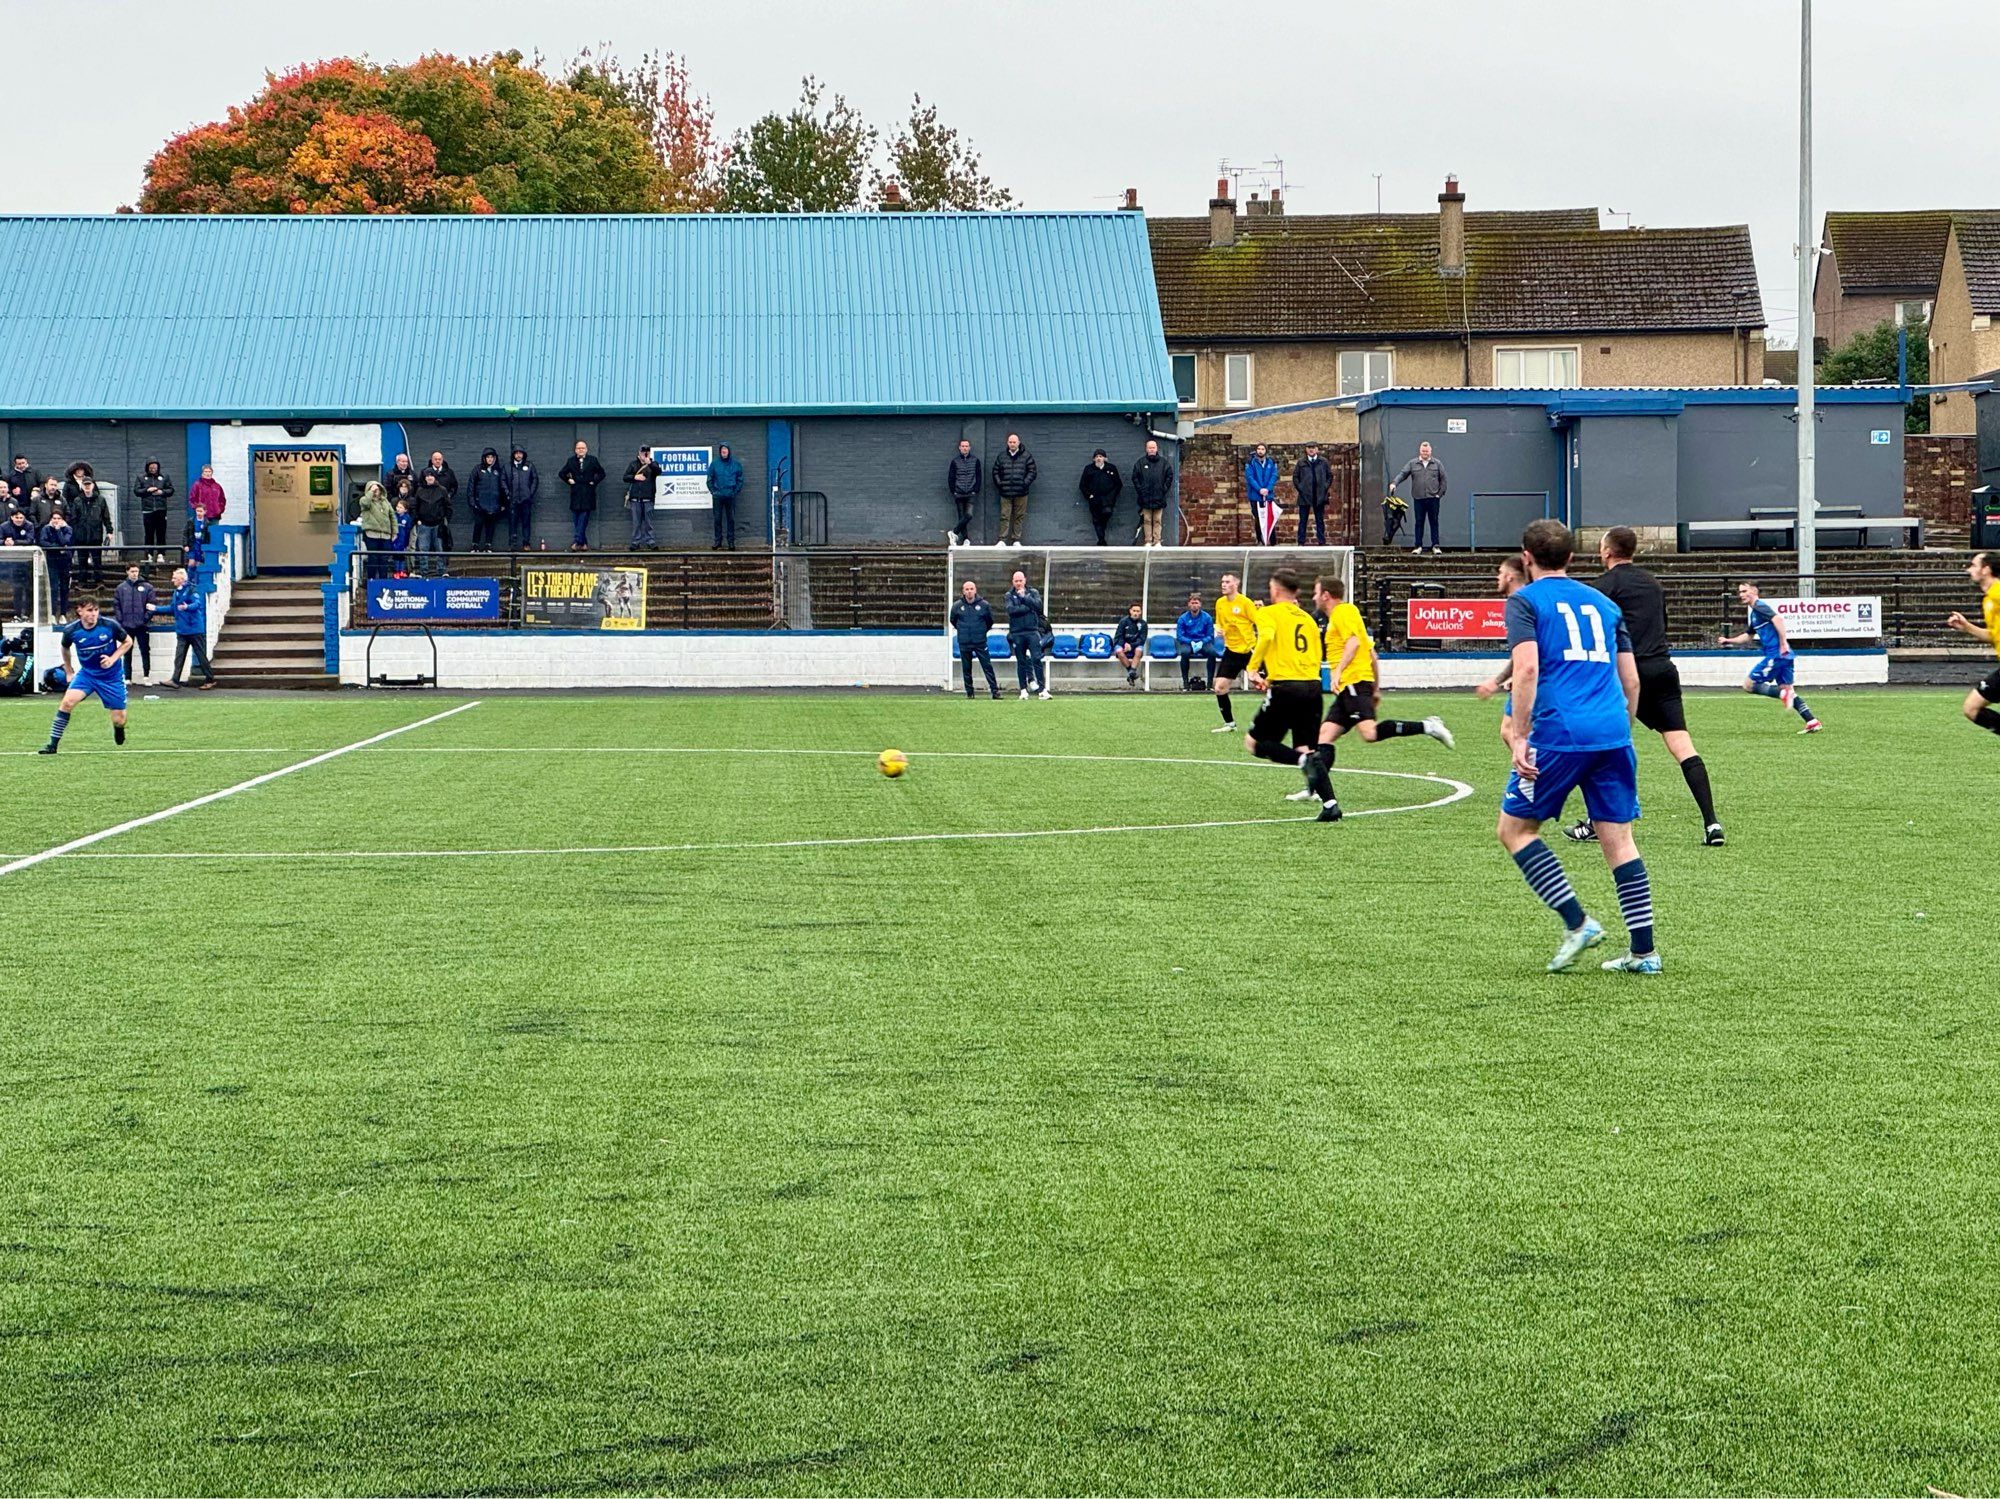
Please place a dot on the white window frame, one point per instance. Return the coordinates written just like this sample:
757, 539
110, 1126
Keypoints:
1575, 352
1249, 380
1367, 357
1194, 366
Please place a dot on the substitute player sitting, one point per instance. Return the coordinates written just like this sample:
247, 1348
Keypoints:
1576, 687
1286, 665
1356, 693
99, 646
1985, 571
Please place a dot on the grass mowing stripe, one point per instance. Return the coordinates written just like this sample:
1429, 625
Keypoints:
29, 861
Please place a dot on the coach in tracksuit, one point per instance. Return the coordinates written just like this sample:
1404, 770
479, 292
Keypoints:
972, 617
1026, 623
132, 605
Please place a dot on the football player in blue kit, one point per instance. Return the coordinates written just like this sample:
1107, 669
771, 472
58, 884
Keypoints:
99, 646
1772, 676
1576, 687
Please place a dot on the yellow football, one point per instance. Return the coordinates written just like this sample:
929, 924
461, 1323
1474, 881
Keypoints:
892, 763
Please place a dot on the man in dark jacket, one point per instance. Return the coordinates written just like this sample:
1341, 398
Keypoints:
449, 482
725, 483
1014, 475
1153, 485
17, 567
1427, 488
132, 606
962, 481
641, 481
22, 481
433, 512
1128, 643
73, 478
582, 473
154, 489
1027, 624
486, 493
1312, 481
90, 517
972, 618
1100, 487
400, 469
523, 484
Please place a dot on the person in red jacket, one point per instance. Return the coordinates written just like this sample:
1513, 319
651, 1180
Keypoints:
206, 495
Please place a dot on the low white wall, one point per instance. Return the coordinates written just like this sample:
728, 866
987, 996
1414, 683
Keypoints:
1698, 669
774, 658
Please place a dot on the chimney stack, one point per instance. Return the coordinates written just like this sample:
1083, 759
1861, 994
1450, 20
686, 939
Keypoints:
1256, 208
1451, 229
1131, 203
892, 199
1221, 217
1277, 202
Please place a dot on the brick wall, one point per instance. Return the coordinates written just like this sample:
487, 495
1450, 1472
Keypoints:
1214, 511
1938, 477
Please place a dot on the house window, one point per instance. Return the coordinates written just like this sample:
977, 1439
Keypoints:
1236, 379
1535, 368
1365, 370
1184, 379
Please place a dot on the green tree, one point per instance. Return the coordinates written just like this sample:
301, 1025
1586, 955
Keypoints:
812, 160
935, 169
1871, 357
678, 120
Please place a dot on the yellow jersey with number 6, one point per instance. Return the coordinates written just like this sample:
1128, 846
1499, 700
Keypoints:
1288, 644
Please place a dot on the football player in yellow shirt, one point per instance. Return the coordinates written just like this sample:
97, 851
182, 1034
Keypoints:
1236, 622
1984, 570
1286, 665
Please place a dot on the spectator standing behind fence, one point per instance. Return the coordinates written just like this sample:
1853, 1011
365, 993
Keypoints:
194, 544
486, 493
400, 470
1100, 487
377, 518
206, 495
1152, 487
524, 482
582, 473
55, 538
1427, 489
1260, 488
47, 503
1128, 642
433, 510
972, 618
91, 519
190, 611
1194, 636
22, 481
1027, 622
641, 476
448, 481
19, 532
1313, 482
133, 606
1014, 474
73, 479
963, 479
154, 490
725, 483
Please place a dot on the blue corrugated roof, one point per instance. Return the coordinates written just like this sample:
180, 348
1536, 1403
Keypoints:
796, 314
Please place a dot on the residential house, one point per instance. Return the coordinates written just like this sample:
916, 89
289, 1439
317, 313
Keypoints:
1965, 320
1265, 309
1872, 263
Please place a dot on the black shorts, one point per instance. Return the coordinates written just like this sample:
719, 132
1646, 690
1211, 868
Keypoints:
1990, 687
1352, 705
1289, 710
1660, 699
1232, 664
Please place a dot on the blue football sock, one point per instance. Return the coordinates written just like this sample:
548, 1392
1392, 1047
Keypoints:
1767, 689
56, 729
1635, 903
1799, 707
1544, 873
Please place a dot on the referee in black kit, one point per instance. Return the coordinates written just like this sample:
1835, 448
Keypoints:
1637, 594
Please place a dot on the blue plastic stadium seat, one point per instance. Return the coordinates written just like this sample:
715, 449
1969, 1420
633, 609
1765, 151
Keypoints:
1160, 647
1064, 648
997, 647
1096, 646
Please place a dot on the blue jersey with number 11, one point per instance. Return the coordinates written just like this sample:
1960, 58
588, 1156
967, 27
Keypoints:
1578, 634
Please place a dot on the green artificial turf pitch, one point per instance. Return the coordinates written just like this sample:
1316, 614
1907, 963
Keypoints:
1247, 1158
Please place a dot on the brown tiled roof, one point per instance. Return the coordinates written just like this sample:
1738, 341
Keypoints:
1890, 254
1376, 276
1979, 249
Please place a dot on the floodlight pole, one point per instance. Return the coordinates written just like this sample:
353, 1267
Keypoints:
1808, 517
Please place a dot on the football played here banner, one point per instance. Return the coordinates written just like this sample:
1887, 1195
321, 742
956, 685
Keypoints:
683, 481
1831, 618
583, 598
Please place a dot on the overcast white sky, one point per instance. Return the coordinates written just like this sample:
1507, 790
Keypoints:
1675, 111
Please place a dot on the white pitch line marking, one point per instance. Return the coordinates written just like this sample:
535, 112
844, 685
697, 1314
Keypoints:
64, 850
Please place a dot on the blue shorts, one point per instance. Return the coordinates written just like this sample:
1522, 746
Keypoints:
1609, 778
109, 688
1775, 669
